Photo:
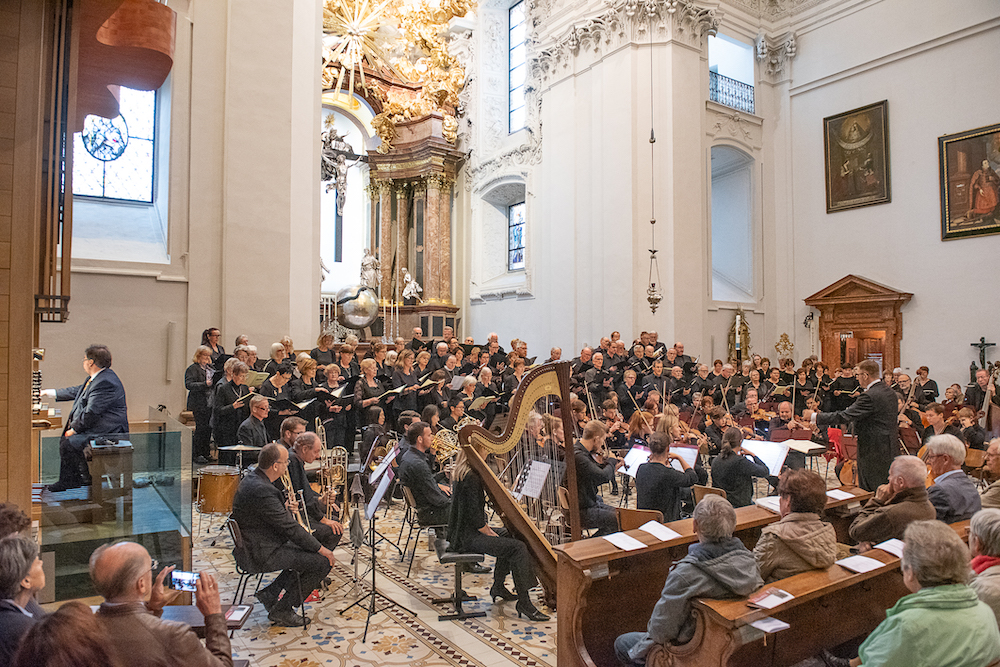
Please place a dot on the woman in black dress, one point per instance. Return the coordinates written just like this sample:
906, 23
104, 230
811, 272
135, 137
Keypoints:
469, 532
658, 485
307, 388
210, 339
733, 472
231, 406
198, 381
368, 390
323, 352
404, 376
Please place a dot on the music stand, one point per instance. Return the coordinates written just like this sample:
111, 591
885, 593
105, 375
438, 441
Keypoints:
372, 505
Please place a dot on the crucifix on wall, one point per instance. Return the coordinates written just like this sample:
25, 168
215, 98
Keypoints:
983, 346
334, 165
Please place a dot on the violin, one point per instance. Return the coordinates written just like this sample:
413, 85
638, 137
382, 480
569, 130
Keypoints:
761, 415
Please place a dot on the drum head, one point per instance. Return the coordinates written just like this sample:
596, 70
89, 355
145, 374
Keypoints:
219, 470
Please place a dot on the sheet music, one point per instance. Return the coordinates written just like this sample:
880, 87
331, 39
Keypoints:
386, 460
689, 454
531, 481
769, 503
804, 446
860, 563
893, 546
635, 458
379, 492
624, 542
659, 531
838, 494
771, 453
456, 382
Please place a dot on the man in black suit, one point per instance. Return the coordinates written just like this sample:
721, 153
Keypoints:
273, 540
98, 410
874, 417
252, 431
307, 449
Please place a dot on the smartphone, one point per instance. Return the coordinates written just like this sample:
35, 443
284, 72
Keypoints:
183, 581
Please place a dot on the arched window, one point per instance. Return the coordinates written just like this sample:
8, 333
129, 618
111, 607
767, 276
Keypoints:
515, 237
733, 238
113, 158
517, 65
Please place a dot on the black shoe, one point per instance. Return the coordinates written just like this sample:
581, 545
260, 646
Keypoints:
527, 609
286, 618
267, 598
477, 568
830, 660
59, 487
500, 594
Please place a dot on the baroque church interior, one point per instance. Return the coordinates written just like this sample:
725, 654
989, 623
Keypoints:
804, 180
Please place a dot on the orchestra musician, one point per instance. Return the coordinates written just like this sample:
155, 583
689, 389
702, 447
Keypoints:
734, 468
595, 467
273, 540
658, 485
617, 428
936, 424
469, 532
252, 431
976, 394
786, 421
456, 410
973, 434
307, 449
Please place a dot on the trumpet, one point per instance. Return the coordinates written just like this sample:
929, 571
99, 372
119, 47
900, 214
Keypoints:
298, 513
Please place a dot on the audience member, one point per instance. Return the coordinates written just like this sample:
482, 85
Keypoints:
801, 541
991, 496
70, 637
21, 577
718, 566
123, 574
984, 545
953, 494
896, 504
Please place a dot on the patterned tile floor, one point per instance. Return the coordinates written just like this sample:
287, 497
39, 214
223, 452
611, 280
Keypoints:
395, 637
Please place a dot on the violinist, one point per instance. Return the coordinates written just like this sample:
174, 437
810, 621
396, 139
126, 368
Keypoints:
639, 429
617, 428
594, 468
909, 418
973, 434
751, 408
936, 424
716, 423
786, 421
911, 394
658, 485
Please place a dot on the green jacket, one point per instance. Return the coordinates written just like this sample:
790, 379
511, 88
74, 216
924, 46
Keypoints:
941, 626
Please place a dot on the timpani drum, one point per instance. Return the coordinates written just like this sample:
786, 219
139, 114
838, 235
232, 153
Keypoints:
216, 488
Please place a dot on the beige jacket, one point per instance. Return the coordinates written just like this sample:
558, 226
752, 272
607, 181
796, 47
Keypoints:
991, 496
987, 587
142, 639
878, 522
797, 543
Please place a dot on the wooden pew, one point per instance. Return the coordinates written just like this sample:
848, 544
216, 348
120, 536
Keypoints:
603, 591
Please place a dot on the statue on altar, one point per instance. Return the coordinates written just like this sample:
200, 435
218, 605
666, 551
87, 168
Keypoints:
411, 288
370, 267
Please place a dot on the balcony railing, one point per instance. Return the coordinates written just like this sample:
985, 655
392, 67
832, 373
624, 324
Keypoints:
732, 93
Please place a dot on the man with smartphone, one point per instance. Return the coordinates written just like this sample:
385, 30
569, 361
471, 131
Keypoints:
133, 602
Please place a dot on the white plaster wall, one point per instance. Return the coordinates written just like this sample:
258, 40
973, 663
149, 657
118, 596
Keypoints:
921, 57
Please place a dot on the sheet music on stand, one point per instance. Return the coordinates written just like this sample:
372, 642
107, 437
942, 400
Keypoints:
689, 454
635, 458
379, 492
531, 481
771, 453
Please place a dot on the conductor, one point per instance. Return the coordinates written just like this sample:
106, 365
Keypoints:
874, 419
98, 410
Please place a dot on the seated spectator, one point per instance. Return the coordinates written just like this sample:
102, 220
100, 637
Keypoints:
953, 494
12, 520
942, 623
897, 503
984, 544
733, 472
123, 574
800, 541
717, 567
991, 496
21, 577
71, 635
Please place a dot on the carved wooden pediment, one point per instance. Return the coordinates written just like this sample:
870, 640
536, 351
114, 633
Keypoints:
855, 289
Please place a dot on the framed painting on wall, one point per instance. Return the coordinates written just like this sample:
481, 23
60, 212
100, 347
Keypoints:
970, 187
856, 148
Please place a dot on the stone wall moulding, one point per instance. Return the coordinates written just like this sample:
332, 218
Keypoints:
723, 123
774, 55
627, 21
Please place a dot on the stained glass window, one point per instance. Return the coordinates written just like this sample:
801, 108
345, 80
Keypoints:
515, 237
113, 159
517, 66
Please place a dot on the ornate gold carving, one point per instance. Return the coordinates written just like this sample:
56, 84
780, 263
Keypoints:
784, 347
439, 182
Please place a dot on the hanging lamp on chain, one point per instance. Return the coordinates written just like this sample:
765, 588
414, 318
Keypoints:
654, 293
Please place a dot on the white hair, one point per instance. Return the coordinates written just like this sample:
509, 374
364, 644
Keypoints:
985, 525
911, 469
716, 518
947, 445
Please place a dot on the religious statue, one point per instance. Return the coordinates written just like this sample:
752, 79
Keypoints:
370, 267
334, 164
411, 288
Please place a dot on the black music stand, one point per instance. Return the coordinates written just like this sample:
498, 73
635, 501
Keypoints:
370, 597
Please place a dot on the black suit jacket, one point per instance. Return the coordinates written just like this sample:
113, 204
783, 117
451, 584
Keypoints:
874, 417
97, 410
252, 432
196, 382
265, 522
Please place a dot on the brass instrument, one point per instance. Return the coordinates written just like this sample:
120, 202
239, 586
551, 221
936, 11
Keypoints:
321, 433
297, 514
378, 453
445, 445
333, 475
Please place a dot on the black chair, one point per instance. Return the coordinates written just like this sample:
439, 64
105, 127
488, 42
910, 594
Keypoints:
411, 518
246, 569
459, 596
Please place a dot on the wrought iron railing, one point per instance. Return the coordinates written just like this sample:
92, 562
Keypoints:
730, 92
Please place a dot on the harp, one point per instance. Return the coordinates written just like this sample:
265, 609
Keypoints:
527, 517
